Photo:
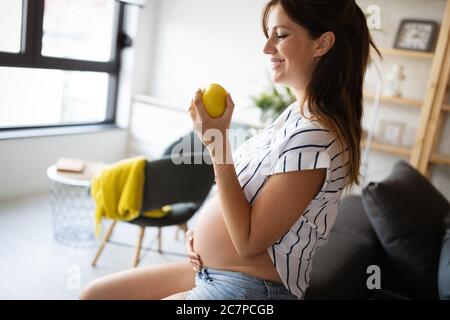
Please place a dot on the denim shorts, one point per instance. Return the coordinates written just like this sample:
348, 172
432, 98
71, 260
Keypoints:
213, 284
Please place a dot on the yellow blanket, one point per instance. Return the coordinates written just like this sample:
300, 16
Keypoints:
117, 191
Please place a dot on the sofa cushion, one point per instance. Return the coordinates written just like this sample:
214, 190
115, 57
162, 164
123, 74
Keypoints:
407, 213
339, 267
444, 267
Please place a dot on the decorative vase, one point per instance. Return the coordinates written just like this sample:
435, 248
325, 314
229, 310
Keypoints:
393, 81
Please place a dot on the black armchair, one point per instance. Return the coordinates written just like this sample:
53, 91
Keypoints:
181, 179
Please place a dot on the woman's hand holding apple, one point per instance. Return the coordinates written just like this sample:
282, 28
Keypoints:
212, 131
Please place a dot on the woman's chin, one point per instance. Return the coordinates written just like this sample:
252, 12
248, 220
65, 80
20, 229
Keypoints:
277, 78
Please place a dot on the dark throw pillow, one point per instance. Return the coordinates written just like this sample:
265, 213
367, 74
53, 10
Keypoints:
444, 267
407, 213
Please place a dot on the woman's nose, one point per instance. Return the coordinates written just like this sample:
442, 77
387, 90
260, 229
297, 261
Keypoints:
269, 48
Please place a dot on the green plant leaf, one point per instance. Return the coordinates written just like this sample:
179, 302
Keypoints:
273, 102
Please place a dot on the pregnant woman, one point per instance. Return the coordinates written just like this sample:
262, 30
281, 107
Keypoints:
278, 193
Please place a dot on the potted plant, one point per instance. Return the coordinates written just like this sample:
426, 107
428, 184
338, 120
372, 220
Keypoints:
273, 102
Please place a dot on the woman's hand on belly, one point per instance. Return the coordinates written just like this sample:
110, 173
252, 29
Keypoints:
194, 257
213, 244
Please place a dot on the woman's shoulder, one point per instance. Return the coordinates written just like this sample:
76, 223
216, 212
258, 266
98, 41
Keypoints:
307, 131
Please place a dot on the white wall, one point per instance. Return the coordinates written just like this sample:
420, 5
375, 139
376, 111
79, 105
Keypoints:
204, 41
24, 161
144, 44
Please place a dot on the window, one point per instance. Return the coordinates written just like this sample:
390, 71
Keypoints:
11, 20
81, 29
59, 62
51, 97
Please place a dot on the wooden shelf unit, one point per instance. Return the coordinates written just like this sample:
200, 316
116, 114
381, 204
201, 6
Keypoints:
432, 107
395, 100
406, 53
388, 148
437, 158
406, 152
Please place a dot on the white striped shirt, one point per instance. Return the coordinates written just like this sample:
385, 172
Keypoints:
293, 143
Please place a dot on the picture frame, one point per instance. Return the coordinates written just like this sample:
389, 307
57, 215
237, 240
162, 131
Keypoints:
391, 131
416, 35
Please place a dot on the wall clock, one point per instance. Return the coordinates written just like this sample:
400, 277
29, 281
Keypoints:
418, 35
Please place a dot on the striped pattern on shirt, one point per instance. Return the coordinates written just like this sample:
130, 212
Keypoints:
293, 143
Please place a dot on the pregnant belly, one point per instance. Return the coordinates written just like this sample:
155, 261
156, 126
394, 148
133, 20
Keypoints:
213, 243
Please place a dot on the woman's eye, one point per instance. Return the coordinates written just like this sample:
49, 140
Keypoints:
281, 36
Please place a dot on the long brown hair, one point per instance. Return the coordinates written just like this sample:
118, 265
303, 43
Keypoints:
335, 91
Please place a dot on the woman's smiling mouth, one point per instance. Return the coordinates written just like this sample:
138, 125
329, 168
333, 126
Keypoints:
276, 62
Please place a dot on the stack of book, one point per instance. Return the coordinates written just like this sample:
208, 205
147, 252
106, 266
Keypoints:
70, 165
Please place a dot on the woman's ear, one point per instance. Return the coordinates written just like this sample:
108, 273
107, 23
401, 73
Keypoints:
324, 44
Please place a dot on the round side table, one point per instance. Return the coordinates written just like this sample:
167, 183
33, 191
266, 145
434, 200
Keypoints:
72, 206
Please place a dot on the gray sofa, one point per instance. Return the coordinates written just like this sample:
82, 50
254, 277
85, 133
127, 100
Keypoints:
398, 225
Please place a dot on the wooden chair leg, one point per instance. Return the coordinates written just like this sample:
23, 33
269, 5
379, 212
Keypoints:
137, 252
176, 232
159, 240
102, 244
183, 227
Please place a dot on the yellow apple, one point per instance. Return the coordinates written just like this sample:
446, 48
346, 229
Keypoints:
215, 100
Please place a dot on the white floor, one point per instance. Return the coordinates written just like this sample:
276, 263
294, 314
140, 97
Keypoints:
34, 266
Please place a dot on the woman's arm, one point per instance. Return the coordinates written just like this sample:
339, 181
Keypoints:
280, 203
